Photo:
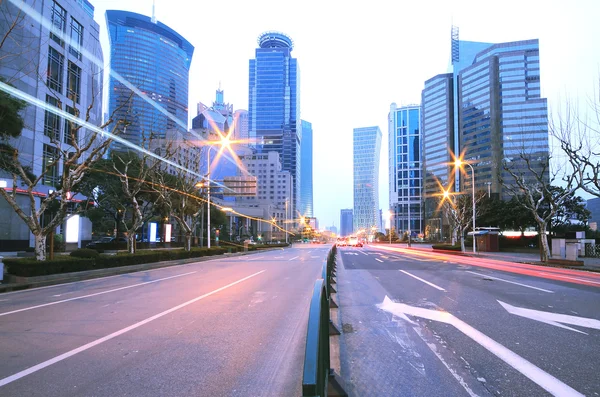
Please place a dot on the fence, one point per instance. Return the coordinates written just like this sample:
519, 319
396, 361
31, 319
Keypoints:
318, 377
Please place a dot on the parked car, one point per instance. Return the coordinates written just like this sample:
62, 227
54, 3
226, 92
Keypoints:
106, 240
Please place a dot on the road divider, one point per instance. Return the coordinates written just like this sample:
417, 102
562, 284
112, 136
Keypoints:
318, 378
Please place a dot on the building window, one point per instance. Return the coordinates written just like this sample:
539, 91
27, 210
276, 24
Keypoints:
51, 120
76, 38
59, 22
74, 82
56, 62
71, 130
50, 165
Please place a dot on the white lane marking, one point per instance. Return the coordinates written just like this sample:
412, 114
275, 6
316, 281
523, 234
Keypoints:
511, 282
378, 260
572, 278
424, 281
90, 295
553, 318
85, 347
314, 257
296, 257
548, 382
364, 253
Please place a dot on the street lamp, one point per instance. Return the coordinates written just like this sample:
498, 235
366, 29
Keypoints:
458, 162
224, 142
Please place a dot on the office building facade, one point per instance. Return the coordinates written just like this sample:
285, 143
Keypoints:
240, 130
274, 104
366, 152
346, 222
154, 59
437, 124
54, 55
306, 170
405, 168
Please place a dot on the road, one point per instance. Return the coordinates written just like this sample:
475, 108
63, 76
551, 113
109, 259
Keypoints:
426, 324
224, 327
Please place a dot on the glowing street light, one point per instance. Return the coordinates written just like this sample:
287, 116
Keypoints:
458, 163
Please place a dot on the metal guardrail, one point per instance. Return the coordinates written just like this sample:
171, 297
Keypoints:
317, 372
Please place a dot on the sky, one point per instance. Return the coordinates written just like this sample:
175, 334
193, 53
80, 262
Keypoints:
356, 58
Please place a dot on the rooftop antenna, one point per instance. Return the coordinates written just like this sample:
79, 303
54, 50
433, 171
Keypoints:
153, 11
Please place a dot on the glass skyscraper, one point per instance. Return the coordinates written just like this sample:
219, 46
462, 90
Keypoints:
366, 151
306, 170
437, 124
405, 168
274, 105
489, 110
502, 116
346, 222
156, 60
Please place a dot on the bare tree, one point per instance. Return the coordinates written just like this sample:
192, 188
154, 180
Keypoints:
179, 192
459, 210
531, 186
578, 133
135, 172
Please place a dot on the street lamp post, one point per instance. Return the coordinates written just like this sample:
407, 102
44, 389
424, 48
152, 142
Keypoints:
208, 197
286, 220
458, 163
390, 231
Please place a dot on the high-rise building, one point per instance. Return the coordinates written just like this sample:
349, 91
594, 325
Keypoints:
240, 131
155, 60
489, 110
346, 222
593, 205
405, 168
306, 172
274, 104
366, 151
41, 62
437, 124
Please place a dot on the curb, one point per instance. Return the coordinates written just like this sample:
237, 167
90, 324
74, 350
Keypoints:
54, 279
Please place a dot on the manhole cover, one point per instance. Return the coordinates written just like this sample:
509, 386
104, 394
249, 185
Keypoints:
347, 328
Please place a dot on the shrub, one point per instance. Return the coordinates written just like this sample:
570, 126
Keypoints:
446, 247
31, 267
84, 253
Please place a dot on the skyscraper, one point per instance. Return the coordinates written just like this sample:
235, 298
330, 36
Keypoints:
366, 150
489, 110
241, 125
306, 172
502, 117
405, 167
274, 104
156, 60
437, 124
346, 222
44, 64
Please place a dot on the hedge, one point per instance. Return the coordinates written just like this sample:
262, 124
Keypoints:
66, 264
446, 247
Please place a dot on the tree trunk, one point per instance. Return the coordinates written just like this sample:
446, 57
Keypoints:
188, 241
40, 247
131, 243
462, 240
545, 248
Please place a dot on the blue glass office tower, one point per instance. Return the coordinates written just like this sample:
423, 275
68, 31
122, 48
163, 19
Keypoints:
405, 168
156, 60
274, 105
346, 222
366, 151
306, 170
490, 110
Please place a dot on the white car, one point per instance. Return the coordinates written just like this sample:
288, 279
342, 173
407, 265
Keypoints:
353, 241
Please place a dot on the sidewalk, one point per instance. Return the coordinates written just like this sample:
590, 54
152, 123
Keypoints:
589, 264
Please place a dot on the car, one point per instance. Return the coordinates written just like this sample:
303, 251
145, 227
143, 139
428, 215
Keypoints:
354, 242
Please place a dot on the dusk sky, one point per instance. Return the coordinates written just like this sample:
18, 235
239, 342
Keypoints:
357, 58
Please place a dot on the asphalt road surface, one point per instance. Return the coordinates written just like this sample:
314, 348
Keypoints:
225, 327
423, 324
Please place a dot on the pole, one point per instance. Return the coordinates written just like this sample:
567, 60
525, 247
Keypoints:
286, 220
208, 198
409, 217
473, 181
